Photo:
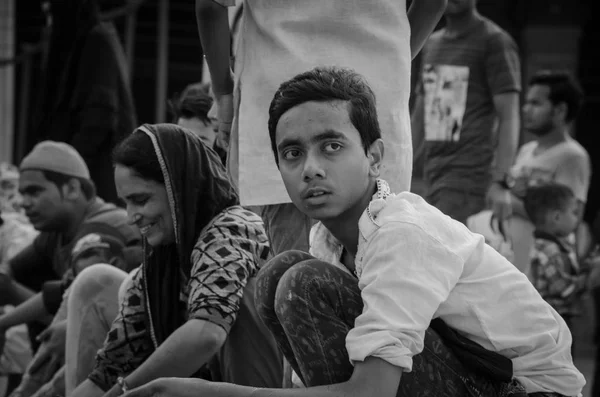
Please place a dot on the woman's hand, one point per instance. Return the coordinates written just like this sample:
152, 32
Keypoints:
171, 387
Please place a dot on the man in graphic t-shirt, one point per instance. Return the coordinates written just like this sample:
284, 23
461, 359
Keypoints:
552, 102
466, 117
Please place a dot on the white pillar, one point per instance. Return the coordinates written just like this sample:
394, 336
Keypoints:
7, 78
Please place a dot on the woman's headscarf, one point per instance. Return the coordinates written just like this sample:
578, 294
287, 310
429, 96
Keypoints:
198, 189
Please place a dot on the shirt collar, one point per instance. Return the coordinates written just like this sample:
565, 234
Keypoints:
324, 245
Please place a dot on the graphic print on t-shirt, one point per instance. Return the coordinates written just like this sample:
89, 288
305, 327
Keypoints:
445, 88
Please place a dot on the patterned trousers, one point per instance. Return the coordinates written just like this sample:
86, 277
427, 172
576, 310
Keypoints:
310, 306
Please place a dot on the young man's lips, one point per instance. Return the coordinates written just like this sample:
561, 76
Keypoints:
316, 198
315, 192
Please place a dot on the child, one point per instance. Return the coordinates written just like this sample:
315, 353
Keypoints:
397, 299
555, 272
45, 374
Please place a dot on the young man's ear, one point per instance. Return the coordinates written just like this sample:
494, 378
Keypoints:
375, 155
555, 215
561, 109
72, 189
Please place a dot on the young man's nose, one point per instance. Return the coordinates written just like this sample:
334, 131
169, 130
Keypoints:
26, 202
312, 168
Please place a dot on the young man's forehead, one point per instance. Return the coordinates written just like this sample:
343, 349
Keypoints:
539, 91
314, 117
32, 178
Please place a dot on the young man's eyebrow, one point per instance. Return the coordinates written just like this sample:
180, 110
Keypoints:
29, 189
327, 134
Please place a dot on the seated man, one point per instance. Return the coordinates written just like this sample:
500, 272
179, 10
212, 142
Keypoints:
59, 199
354, 319
46, 372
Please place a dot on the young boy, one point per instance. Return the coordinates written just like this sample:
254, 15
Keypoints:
354, 318
555, 272
45, 374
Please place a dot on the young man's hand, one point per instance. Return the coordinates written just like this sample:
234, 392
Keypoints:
169, 387
500, 201
52, 350
225, 116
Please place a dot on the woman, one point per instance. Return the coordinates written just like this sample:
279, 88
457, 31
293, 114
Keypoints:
190, 306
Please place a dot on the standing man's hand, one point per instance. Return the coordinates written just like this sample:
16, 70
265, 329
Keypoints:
224, 109
499, 200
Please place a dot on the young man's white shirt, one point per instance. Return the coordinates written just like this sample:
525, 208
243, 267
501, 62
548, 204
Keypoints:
414, 264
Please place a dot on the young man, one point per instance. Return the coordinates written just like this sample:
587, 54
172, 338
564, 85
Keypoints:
355, 316
279, 40
555, 271
59, 199
471, 79
551, 105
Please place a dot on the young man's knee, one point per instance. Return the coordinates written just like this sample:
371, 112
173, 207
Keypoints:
96, 278
272, 271
300, 284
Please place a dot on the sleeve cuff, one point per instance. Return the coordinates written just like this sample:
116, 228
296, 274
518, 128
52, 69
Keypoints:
212, 318
381, 345
96, 378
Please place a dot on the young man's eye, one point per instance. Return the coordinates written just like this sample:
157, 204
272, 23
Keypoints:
291, 154
332, 147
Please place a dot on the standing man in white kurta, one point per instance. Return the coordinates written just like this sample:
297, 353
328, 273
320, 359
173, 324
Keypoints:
281, 39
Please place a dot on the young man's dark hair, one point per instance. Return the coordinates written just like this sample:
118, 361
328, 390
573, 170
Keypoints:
564, 88
546, 197
194, 101
325, 84
87, 186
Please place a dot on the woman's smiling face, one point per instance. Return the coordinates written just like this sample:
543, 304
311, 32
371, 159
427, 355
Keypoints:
147, 205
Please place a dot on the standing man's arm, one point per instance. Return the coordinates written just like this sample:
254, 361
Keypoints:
507, 111
423, 16
417, 120
213, 29
503, 71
